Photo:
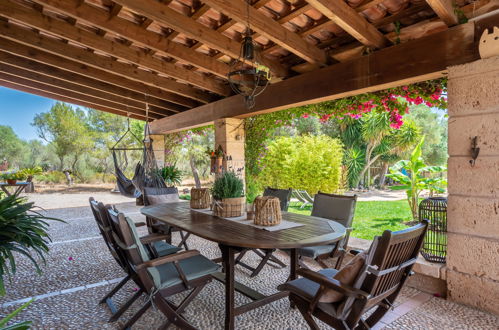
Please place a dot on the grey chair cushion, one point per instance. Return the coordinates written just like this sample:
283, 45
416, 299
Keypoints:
162, 199
315, 251
193, 268
164, 249
337, 208
306, 288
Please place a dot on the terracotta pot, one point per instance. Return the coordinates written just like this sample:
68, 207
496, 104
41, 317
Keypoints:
11, 181
218, 164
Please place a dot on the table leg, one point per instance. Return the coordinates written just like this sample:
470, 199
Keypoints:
293, 265
6, 191
228, 261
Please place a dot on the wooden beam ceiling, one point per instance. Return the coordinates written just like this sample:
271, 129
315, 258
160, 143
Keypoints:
136, 33
445, 10
62, 29
88, 82
405, 63
126, 105
80, 55
165, 15
349, 20
31, 87
240, 11
103, 76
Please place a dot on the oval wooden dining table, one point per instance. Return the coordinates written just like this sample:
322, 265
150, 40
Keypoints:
231, 235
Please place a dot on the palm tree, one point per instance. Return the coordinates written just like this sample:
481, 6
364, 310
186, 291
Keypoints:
372, 137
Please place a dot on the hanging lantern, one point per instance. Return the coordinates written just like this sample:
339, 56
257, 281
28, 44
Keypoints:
248, 77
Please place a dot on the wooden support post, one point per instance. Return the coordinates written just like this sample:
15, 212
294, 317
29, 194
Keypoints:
229, 133
158, 147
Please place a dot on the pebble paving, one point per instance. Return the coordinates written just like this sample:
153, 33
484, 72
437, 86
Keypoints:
80, 270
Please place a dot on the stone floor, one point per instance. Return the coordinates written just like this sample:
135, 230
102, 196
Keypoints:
79, 271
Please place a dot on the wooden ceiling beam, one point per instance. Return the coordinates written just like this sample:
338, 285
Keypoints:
123, 103
136, 33
73, 53
269, 28
445, 10
398, 65
349, 20
41, 56
88, 82
62, 95
32, 18
192, 29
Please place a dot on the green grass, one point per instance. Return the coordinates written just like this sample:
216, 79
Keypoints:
372, 218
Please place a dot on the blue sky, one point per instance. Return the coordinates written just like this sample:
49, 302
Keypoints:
17, 110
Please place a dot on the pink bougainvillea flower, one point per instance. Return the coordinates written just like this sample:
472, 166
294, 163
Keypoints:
305, 115
135, 289
70, 259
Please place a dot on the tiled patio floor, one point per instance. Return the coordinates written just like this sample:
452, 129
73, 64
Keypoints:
80, 271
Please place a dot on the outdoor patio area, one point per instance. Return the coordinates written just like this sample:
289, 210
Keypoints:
80, 271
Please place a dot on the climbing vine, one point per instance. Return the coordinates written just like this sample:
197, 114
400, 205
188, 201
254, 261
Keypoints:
394, 101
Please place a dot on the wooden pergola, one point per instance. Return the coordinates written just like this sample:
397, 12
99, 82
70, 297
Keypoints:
174, 55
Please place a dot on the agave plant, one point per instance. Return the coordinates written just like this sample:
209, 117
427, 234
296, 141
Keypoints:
410, 174
23, 230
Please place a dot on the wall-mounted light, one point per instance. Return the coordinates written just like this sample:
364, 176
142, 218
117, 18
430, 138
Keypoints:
474, 150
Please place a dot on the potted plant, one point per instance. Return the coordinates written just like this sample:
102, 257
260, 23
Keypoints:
30, 172
13, 177
228, 195
172, 175
216, 158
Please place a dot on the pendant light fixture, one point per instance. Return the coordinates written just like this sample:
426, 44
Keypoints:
248, 77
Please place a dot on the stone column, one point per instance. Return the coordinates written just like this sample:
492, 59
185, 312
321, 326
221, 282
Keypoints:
229, 133
158, 147
473, 208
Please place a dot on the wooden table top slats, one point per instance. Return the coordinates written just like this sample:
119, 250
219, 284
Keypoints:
316, 231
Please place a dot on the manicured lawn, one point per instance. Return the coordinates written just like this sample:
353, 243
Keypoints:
372, 218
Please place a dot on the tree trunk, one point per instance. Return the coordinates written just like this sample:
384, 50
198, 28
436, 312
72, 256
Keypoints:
382, 177
195, 173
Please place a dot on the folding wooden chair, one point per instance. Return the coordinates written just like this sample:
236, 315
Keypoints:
153, 196
374, 288
339, 208
155, 247
165, 276
266, 255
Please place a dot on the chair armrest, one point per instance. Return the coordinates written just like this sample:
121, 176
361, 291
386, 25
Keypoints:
140, 224
354, 252
332, 284
148, 239
169, 258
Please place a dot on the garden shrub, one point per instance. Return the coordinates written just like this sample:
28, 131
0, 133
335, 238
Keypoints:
311, 163
51, 177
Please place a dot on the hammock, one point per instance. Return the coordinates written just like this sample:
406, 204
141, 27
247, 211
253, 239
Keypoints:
146, 173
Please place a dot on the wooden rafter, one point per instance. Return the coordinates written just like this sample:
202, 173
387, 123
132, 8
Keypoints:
163, 107
445, 10
121, 102
163, 14
36, 88
12, 10
69, 65
269, 28
136, 33
380, 70
62, 49
349, 20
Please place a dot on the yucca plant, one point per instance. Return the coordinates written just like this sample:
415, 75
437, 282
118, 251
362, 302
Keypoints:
22, 230
228, 185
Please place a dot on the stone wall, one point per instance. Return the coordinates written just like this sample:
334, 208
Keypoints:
473, 211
